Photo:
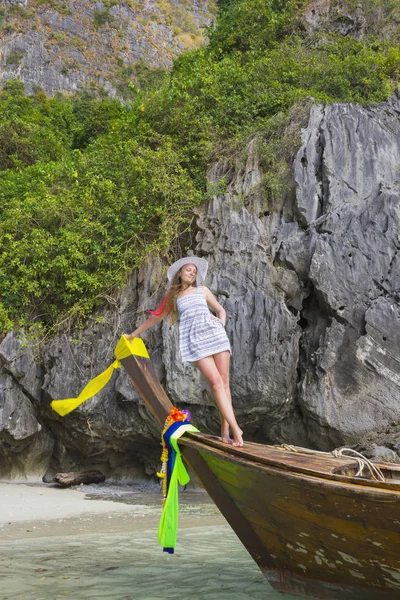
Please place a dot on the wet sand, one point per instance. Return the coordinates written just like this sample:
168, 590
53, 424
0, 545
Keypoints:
40, 510
101, 543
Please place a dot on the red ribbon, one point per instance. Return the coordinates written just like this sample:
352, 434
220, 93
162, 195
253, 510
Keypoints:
157, 312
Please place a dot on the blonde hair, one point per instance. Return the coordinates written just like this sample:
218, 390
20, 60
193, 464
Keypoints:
174, 290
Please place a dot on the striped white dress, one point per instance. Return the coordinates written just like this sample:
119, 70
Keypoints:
199, 334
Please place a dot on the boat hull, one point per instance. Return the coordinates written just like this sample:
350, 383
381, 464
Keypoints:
321, 539
313, 528
295, 585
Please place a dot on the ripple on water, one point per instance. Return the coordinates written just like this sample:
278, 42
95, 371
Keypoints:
209, 564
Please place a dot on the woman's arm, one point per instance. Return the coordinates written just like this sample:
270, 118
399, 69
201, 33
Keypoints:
214, 305
150, 322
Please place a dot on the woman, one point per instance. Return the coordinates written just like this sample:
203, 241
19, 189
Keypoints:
202, 337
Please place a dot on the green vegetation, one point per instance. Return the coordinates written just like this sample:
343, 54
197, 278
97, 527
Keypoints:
61, 7
102, 17
82, 201
110, 3
14, 58
89, 188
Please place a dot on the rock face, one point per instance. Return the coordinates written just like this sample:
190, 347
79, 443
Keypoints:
26, 445
357, 19
83, 44
352, 390
312, 291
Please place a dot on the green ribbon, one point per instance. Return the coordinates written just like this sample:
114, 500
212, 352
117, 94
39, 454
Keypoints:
168, 526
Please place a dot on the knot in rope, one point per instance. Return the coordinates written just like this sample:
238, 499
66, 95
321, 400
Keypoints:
362, 461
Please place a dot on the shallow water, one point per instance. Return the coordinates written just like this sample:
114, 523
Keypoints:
114, 555
209, 564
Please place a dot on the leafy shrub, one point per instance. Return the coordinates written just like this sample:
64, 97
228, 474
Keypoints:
70, 229
14, 58
102, 17
89, 188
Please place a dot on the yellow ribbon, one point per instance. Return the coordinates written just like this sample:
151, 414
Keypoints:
123, 349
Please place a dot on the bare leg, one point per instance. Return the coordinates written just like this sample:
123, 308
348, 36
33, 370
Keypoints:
225, 430
209, 369
222, 360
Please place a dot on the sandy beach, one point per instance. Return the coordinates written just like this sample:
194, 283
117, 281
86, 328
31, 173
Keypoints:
40, 510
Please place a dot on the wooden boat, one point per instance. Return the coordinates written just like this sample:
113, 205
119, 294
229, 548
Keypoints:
313, 527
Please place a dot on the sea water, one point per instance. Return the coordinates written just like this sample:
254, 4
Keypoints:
125, 562
209, 564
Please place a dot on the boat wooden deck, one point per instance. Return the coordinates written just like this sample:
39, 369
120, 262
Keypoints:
323, 465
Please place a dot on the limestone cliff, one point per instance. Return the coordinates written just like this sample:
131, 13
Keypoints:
99, 46
357, 19
107, 46
312, 291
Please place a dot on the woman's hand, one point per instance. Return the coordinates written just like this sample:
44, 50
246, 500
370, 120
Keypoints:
214, 305
130, 336
214, 318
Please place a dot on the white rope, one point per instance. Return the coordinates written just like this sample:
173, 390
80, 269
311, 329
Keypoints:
363, 462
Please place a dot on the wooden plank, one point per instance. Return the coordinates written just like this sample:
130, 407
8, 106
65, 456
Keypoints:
287, 462
144, 378
324, 463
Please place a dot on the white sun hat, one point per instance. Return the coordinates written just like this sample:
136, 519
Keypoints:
200, 263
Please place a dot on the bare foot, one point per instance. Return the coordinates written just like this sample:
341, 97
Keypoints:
237, 438
226, 438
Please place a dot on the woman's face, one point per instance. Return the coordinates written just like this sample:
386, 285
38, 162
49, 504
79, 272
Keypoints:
188, 274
